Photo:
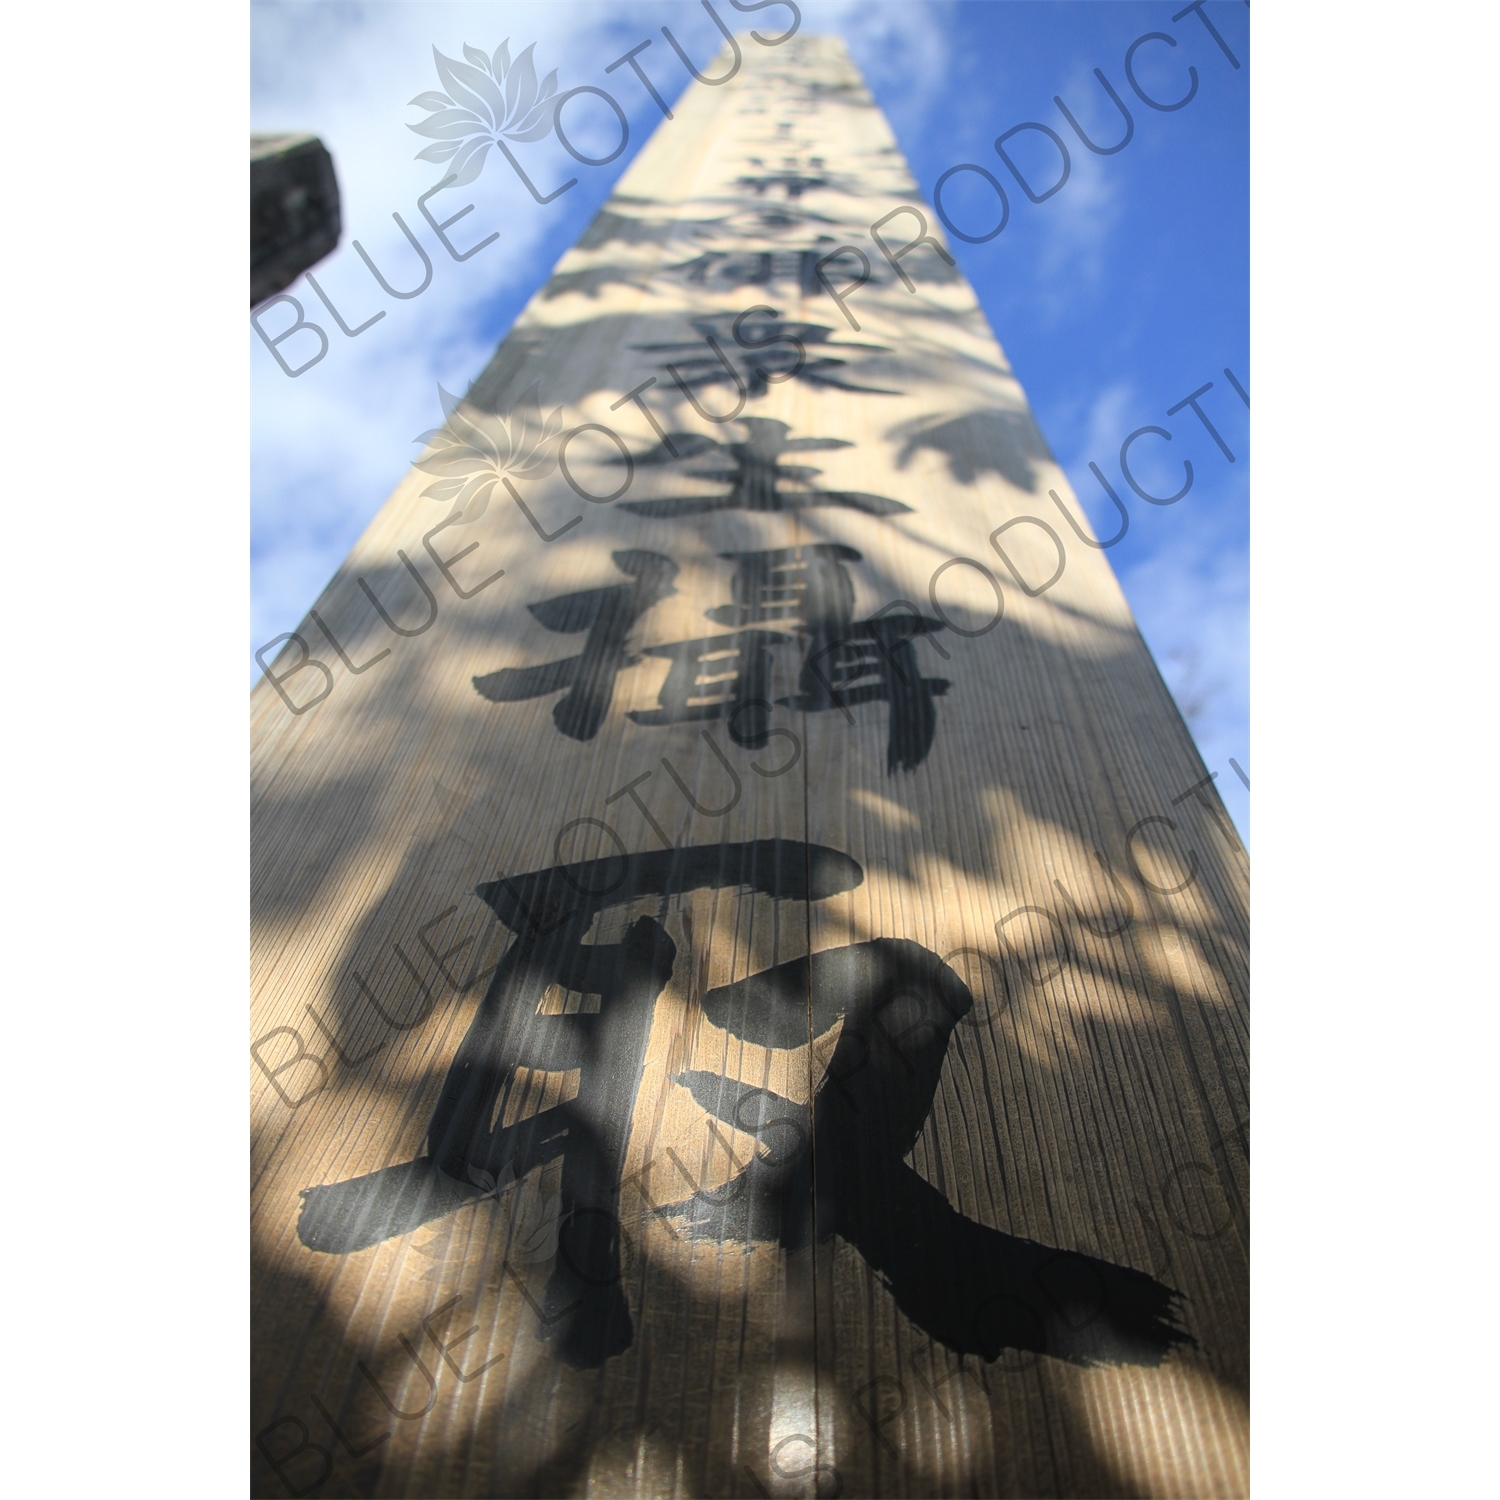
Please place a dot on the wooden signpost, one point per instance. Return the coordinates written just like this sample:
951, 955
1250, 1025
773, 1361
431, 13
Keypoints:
749, 975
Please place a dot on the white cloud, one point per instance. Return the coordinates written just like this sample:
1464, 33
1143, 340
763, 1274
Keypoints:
1107, 419
1075, 227
1191, 598
328, 446
1075, 235
903, 52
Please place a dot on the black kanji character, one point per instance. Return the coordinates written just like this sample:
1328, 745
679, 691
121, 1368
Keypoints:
793, 178
869, 661
468, 1144
753, 269
847, 661
970, 1287
608, 615
694, 369
716, 677
718, 268
806, 586
758, 480
793, 184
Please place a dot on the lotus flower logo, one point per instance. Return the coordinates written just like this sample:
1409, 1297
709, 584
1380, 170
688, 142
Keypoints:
488, 97
472, 451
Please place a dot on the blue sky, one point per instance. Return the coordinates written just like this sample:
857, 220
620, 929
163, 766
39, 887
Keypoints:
1115, 298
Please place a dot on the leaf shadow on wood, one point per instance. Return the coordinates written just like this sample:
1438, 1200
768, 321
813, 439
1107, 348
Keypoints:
995, 440
1164, 1023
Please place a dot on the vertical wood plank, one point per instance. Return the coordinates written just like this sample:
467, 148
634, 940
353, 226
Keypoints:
860, 1102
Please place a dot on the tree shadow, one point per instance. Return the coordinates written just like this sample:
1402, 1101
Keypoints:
945, 1108
996, 441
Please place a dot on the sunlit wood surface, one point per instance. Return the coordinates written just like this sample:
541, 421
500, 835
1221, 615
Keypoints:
1094, 1098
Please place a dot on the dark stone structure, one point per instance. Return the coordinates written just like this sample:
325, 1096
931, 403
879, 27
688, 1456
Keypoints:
294, 210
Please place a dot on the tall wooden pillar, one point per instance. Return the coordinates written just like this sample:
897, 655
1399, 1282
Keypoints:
749, 971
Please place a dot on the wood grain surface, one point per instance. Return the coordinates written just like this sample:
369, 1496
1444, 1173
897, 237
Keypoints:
870, 1116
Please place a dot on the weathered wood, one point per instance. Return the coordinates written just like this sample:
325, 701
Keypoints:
919, 1093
